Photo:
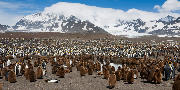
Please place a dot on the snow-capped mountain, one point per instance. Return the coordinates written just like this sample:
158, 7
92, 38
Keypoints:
167, 19
165, 26
168, 25
3, 27
56, 23
74, 17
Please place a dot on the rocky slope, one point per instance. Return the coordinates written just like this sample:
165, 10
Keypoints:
3, 27
79, 18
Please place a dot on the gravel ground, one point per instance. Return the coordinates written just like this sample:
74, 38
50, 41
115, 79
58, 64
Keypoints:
73, 81
55, 35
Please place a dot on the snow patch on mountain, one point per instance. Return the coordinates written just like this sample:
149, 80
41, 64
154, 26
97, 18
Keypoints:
76, 17
101, 16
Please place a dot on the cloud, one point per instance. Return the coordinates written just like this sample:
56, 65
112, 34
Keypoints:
168, 6
10, 13
8, 5
8, 19
101, 16
157, 7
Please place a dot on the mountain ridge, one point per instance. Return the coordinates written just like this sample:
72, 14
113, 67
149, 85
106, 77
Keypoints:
82, 18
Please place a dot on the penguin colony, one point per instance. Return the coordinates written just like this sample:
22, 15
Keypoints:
28, 58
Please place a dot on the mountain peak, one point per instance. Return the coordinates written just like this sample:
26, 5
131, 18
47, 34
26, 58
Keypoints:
167, 19
76, 18
4, 27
